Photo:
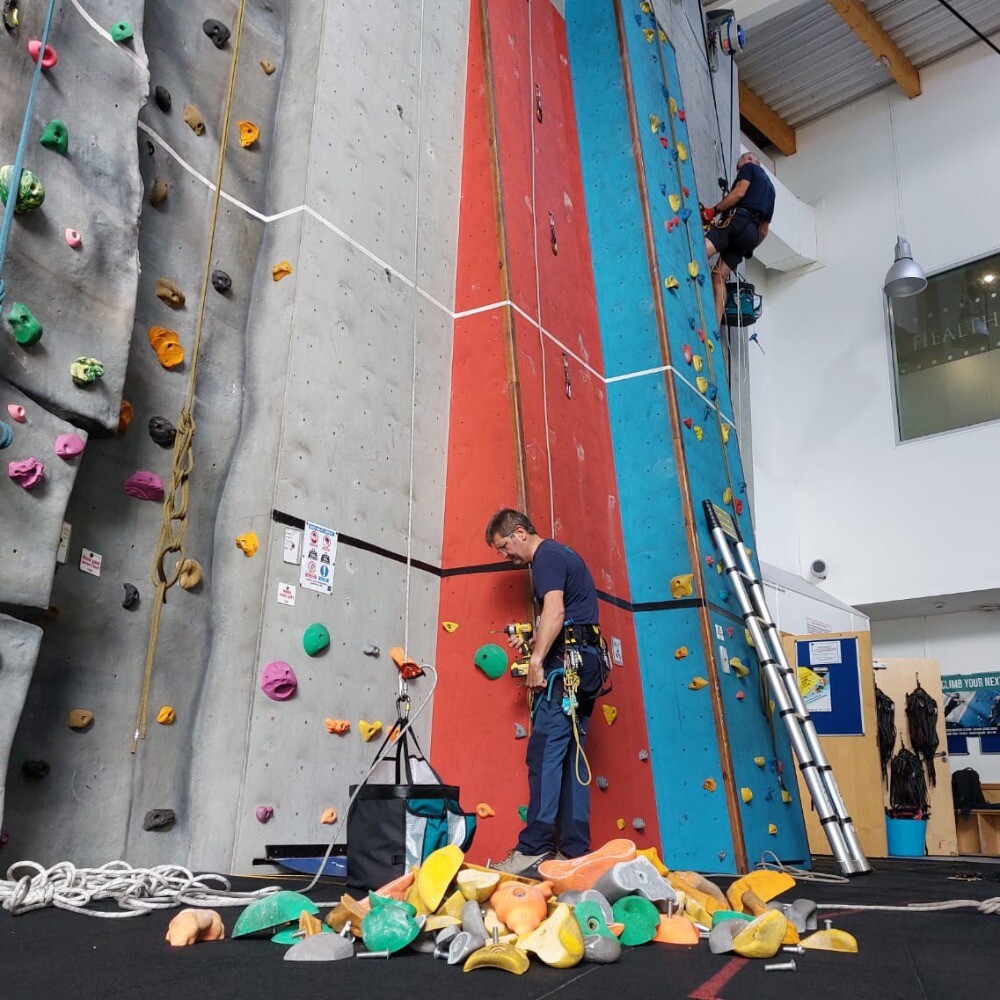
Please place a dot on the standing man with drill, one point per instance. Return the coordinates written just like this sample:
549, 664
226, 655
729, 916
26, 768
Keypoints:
568, 654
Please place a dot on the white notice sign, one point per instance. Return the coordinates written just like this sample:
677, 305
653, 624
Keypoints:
319, 556
90, 562
286, 594
824, 652
67, 530
616, 651
292, 539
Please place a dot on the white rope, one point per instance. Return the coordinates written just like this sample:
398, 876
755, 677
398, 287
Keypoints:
138, 891
987, 906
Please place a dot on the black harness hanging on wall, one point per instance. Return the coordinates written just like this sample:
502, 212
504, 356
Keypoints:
885, 715
921, 720
907, 787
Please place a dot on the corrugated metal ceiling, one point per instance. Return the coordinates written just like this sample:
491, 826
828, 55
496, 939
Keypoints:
807, 62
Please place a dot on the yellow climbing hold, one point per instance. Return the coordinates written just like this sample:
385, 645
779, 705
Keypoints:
739, 667
248, 543
436, 873
249, 134
680, 652
620, 823
710, 345
682, 153
693, 269
725, 433
449, 627
697, 362
369, 730
727, 495
699, 434
475, 884
654, 124
498, 955
766, 884
610, 714
281, 270
763, 936
748, 637
772, 829
649, 34
831, 940
746, 794
662, 34
672, 104
702, 383
760, 761
709, 784
675, 202
650, 853
786, 796
697, 683
166, 716
671, 282
682, 586
557, 940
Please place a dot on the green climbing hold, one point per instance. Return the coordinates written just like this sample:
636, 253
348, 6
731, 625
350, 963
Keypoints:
522, 811
640, 917
30, 192
389, 925
27, 330
316, 639
55, 136
271, 912
86, 370
492, 660
121, 31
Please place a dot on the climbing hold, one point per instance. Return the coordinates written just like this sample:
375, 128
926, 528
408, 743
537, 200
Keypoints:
682, 115
369, 649
831, 939
278, 681
79, 719
688, 423
369, 730
610, 714
699, 433
522, 812
329, 816
23, 324
83, 371
121, 31
55, 136
389, 925
491, 660
449, 627
281, 270
701, 382
69, 445
159, 819
169, 294
682, 586
682, 153
739, 667
601, 782
680, 652
697, 363
167, 346
711, 392
49, 57
248, 543
738, 505
267, 66
249, 133
27, 473
519, 731
166, 716
725, 433
190, 574
654, 124
143, 485
193, 119
557, 940
649, 34
6, 435
221, 282
17, 412
162, 431
786, 796
675, 202
740, 695
131, 598
216, 31
125, 413
760, 761
263, 813
709, 561
620, 823
748, 637
337, 727
727, 495
158, 192
693, 268
643, 754
685, 214
638, 823
315, 639
687, 353
484, 810
746, 794
772, 829
709, 784
640, 917
671, 282
162, 97
697, 683
35, 769
193, 925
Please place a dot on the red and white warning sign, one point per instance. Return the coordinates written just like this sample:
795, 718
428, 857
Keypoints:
319, 556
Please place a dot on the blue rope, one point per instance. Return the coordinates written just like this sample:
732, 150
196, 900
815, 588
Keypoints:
15, 180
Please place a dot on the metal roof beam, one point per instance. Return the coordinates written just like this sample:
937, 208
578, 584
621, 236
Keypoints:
766, 120
859, 19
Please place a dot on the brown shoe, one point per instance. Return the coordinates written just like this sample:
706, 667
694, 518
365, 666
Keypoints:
581, 873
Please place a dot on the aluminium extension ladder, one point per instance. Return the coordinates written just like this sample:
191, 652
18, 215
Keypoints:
784, 685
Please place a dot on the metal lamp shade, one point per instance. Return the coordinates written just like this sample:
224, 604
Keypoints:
906, 276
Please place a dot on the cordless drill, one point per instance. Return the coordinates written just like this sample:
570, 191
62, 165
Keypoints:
523, 633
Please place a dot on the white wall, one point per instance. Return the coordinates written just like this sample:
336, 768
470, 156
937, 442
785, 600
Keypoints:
892, 521
965, 643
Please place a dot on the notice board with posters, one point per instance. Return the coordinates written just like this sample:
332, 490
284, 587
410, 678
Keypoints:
830, 684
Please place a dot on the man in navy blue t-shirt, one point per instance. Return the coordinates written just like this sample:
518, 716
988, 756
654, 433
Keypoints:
745, 217
559, 802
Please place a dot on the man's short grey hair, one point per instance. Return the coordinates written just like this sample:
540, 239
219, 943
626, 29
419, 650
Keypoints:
752, 157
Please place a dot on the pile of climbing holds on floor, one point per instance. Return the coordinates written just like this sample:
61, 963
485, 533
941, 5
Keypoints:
585, 910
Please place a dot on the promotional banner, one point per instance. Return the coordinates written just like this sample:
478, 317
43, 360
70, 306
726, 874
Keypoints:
972, 704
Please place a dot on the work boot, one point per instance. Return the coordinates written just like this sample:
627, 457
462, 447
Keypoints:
517, 863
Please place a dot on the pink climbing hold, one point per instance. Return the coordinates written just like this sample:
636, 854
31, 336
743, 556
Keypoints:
143, 485
73, 238
69, 445
264, 813
28, 473
17, 412
279, 682
49, 57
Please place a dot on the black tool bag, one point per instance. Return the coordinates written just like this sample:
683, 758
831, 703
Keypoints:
401, 814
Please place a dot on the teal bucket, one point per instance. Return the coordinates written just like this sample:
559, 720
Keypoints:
906, 837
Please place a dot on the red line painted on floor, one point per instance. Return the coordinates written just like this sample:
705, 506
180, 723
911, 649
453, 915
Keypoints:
709, 990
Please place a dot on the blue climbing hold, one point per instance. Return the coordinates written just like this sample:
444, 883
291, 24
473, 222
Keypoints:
685, 214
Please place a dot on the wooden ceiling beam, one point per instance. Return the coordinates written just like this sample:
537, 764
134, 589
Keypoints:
860, 20
766, 120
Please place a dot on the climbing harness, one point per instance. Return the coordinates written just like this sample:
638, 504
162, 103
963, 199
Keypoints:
885, 715
907, 787
921, 720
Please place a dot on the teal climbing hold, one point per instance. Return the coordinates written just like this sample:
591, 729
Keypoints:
316, 639
30, 192
25, 327
492, 660
121, 31
55, 136
522, 811
6, 435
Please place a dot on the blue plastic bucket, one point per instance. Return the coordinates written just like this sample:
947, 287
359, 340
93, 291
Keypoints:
906, 837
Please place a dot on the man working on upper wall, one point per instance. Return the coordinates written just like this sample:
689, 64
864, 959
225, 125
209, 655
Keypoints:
567, 638
745, 217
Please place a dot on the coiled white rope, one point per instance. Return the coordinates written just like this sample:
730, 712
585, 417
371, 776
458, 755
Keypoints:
987, 906
137, 891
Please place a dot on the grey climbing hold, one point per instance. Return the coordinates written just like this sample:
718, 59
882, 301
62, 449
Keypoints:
131, 598
519, 731
217, 31
162, 431
370, 650
162, 97
643, 755
601, 782
158, 819
221, 282
639, 823
35, 769
158, 193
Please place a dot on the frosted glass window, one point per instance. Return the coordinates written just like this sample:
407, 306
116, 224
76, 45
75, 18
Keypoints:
946, 350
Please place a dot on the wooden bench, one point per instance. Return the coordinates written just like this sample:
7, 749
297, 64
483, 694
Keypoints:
979, 832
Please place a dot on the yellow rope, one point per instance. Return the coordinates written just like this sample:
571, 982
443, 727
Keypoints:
175, 504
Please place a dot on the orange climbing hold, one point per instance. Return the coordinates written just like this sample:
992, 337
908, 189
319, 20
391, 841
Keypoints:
249, 133
484, 810
167, 346
329, 816
166, 716
337, 727
125, 414
610, 714
248, 543
281, 270
191, 926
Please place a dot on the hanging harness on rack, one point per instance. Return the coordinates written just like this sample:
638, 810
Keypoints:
907, 787
921, 720
885, 715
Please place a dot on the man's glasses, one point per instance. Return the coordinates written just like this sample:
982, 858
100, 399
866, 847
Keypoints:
502, 547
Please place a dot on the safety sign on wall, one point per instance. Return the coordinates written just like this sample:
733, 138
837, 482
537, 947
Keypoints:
319, 556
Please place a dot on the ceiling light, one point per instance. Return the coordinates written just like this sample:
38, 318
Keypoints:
988, 279
906, 276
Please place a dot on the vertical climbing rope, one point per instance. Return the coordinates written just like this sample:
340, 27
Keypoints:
175, 503
15, 180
